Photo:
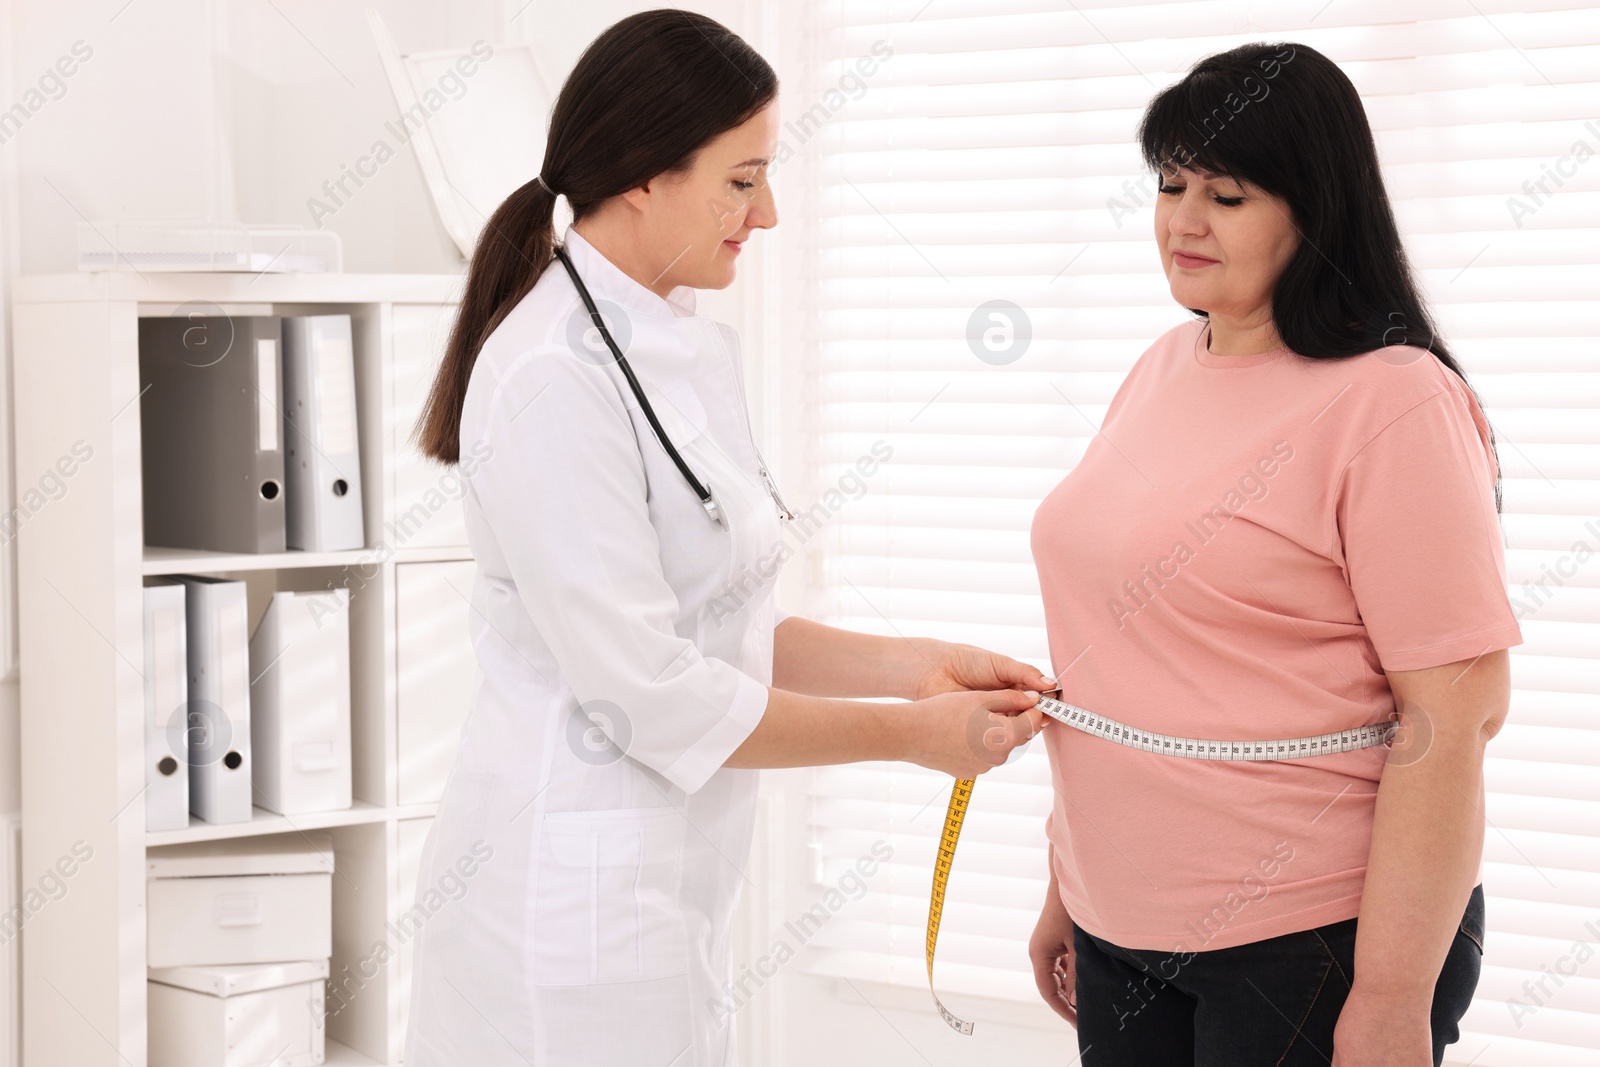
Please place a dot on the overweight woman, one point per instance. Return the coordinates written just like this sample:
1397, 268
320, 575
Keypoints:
1286, 527
578, 885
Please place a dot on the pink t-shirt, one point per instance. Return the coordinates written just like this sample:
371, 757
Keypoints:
1244, 548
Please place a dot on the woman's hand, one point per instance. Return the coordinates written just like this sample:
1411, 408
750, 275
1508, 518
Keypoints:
1377, 1030
966, 733
951, 667
1055, 965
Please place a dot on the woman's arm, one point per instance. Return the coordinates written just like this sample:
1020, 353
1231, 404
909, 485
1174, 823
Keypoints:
1055, 963
825, 661
1427, 841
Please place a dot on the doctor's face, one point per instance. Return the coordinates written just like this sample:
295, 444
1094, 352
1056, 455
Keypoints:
697, 221
1223, 243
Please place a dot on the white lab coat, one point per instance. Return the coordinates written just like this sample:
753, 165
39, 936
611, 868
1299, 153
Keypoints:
575, 904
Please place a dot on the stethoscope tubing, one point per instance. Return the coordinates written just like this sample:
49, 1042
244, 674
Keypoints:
702, 491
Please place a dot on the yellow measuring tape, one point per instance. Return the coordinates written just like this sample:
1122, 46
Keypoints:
954, 815
1365, 736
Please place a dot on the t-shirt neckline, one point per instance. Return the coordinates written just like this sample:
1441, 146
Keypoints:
1206, 358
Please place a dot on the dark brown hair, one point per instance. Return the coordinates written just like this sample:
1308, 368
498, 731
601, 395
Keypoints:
645, 96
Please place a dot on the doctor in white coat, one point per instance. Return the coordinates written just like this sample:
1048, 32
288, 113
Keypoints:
578, 885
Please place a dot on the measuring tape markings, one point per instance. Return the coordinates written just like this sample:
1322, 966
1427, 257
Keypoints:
1145, 741
954, 815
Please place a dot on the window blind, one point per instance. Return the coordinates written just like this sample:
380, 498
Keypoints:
990, 156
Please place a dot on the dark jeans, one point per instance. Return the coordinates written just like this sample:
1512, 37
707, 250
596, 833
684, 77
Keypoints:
1272, 1003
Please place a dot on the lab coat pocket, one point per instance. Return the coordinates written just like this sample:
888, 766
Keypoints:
606, 908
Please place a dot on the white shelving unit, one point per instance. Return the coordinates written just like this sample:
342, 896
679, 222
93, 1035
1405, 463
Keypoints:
81, 563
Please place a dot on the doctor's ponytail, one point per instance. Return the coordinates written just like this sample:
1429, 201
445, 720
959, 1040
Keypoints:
644, 97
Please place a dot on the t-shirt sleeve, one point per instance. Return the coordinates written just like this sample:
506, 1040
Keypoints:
1421, 539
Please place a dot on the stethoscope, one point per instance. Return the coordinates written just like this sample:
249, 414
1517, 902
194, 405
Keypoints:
703, 491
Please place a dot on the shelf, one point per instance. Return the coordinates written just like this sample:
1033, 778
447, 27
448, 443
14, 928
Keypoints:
440, 554
415, 811
158, 287
265, 822
338, 1055
162, 560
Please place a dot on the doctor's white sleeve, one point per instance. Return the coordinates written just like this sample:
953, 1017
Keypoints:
564, 495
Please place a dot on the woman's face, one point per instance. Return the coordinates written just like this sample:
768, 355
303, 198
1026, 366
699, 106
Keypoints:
1223, 243
694, 222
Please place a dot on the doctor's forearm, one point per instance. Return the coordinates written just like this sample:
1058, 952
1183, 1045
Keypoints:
963, 733
825, 661
797, 730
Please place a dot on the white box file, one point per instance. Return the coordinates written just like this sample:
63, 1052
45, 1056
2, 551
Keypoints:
237, 1016
437, 669
300, 703
322, 461
166, 708
425, 506
248, 900
217, 628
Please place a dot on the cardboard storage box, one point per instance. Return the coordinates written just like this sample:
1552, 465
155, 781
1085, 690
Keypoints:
243, 900
237, 1016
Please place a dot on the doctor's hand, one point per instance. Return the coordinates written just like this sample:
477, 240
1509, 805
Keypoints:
947, 668
966, 733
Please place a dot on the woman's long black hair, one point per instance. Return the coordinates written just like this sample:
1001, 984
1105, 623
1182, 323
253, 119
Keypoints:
1286, 119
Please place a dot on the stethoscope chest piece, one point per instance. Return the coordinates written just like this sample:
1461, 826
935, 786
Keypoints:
713, 508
